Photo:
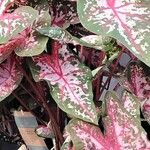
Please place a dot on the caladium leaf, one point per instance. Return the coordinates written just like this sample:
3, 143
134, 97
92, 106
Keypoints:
13, 23
34, 44
67, 145
63, 13
126, 127
139, 82
131, 104
86, 136
146, 110
60, 34
10, 77
6, 49
70, 82
125, 20
97, 41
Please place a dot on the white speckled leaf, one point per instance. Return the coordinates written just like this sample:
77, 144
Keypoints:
139, 81
10, 77
70, 82
129, 133
13, 23
125, 20
131, 104
35, 43
86, 136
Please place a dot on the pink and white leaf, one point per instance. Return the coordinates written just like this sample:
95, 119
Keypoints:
86, 136
10, 77
8, 48
70, 82
13, 23
139, 82
125, 20
131, 104
129, 133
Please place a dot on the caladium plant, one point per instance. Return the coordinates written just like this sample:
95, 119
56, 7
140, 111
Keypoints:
74, 49
120, 127
125, 20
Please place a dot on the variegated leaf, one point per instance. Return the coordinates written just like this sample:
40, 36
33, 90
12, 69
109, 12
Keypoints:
13, 23
139, 82
4, 4
10, 77
125, 20
64, 13
97, 41
86, 136
60, 34
131, 104
34, 44
70, 82
67, 145
129, 133
146, 110
6, 49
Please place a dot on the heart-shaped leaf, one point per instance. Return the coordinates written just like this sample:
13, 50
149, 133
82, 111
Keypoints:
70, 82
125, 20
13, 23
10, 77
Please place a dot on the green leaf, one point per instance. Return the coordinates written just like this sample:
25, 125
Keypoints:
125, 20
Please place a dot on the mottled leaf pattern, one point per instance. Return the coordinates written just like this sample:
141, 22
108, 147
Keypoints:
146, 110
70, 82
10, 77
131, 104
6, 49
34, 44
129, 133
121, 130
13, 23
139, 81
86, 136
125, 20
63, 13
